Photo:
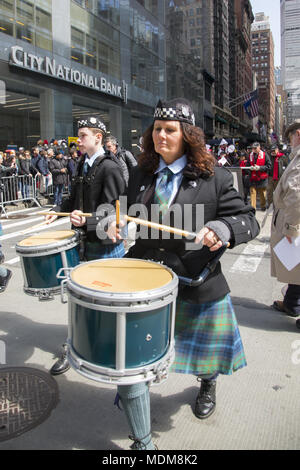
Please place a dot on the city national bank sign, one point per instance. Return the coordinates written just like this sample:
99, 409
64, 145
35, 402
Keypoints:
47, 66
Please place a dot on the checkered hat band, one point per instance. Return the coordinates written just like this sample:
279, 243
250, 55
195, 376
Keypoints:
165, 113
92, 123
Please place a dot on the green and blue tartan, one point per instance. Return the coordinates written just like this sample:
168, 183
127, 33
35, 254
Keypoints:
207, 339
95, 251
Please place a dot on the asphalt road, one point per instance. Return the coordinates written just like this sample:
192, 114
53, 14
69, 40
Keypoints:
258, 408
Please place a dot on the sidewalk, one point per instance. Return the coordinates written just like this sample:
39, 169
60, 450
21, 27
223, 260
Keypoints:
258, 408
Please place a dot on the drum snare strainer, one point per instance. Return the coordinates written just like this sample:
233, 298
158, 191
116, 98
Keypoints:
121, 320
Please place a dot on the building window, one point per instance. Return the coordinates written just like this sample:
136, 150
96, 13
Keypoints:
28, 21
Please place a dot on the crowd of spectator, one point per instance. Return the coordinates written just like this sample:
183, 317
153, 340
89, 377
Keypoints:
55, 164
41, 160
262, 166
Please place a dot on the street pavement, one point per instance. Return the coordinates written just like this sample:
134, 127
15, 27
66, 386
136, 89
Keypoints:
258, 407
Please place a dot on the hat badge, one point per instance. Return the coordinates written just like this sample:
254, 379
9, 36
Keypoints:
185, 111
93, 120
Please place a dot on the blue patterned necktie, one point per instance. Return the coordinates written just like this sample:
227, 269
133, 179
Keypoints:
163, 191
85, 168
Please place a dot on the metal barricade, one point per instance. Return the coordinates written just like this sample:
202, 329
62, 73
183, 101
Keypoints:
16, 189
44, 186
27, 188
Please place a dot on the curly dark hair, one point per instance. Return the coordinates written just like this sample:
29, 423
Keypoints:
200, 161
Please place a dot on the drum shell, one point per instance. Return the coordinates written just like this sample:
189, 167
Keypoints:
147, 317
93, 334
40, 271
40, 263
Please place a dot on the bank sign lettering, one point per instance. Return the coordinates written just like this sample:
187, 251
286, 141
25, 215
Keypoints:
48, 66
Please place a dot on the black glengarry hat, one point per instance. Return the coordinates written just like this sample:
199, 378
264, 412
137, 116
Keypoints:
178, 109
92, 122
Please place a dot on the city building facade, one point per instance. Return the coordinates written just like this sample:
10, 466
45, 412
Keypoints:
61, 61
263, 66
241, 63
290, 57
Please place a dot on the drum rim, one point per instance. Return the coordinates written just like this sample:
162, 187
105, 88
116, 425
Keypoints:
50, 248
145, 295
98, 373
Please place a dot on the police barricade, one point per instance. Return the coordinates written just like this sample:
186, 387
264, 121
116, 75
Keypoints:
44, 186
14, 189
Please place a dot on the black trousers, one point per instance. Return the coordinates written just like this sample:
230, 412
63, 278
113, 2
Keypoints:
292, 298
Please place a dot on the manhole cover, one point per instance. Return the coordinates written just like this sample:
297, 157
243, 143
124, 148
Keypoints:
27, 397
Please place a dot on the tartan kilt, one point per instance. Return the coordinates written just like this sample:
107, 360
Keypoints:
95, 251
207, 339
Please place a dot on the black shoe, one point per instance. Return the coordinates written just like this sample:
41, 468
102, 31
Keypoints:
4, 280
206, 399
298, 324
62, 365
279, 305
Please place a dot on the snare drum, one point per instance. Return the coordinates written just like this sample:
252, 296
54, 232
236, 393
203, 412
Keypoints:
121, 320
42, 256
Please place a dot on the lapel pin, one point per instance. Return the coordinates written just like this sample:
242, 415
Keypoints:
193, 184
142, 188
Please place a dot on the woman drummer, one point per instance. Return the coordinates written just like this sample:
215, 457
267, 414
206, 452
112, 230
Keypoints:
175, 168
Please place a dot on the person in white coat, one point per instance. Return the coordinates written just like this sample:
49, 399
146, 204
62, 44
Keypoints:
286, 223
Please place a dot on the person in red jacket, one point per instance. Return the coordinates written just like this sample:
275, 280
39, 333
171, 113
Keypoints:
260, 164
279, 162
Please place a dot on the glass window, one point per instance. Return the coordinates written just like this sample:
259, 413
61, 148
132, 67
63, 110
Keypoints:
91, 52
77, 45
27, 20
25, 10
109, 10
109, 59
25, 33
6, 26
8, 6
43, 40
43, 19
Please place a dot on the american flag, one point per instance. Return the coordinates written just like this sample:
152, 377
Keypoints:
251, 104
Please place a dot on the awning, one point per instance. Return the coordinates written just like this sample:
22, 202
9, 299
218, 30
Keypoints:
220, 119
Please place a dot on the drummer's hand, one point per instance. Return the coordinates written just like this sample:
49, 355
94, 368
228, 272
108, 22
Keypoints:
76, 219
113, 233
50, 218
209, 238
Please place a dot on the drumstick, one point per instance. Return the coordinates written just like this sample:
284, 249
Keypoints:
164, 228
35, 226
117, 214
64, 214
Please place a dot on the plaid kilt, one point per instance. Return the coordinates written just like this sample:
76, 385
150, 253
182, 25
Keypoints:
95, 251
207, 339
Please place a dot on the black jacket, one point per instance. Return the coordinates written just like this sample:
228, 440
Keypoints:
221, 202
55, 166
102, 185
283, 162
24, 166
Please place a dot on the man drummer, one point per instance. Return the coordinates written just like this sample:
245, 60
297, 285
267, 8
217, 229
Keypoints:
98, 181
